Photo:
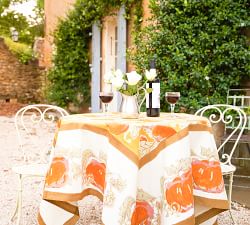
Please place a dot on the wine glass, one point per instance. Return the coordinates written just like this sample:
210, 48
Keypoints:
106, 97
172, 98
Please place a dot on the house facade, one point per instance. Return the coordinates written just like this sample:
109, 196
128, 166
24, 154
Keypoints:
54, 11
108, 47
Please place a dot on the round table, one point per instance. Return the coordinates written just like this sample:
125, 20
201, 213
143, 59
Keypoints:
162, 170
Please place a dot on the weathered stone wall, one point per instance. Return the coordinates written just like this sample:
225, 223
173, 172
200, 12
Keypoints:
18, 82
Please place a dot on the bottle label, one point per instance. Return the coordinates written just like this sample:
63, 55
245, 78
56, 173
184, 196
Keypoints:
153, 98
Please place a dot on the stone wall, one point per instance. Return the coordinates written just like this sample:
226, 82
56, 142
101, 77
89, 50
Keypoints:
18, 82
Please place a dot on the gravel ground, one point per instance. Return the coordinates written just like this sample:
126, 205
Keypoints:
90, 207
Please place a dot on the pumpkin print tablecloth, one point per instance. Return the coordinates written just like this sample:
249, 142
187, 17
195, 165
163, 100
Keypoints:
146, 171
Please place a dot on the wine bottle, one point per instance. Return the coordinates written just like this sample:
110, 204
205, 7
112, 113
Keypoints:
153, 98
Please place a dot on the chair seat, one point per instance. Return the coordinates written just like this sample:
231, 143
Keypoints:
31, 169
226, 169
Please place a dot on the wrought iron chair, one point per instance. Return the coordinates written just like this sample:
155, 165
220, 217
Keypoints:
227, 114
31, 122
241, 98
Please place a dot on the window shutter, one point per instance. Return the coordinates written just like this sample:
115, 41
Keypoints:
122, 44
96, 72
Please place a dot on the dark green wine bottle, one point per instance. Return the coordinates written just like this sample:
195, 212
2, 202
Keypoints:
153, 98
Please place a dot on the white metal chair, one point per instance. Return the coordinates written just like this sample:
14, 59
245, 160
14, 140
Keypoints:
227, 114
31, 122
241, 98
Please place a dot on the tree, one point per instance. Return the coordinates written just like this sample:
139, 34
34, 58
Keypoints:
27, 29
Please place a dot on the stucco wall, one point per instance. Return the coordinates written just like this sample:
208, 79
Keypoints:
146, 16
146, 11
18, 82
54, 10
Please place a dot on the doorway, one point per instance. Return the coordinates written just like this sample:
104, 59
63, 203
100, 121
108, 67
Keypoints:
109, 50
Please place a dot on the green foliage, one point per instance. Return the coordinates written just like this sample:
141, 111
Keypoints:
22, 51
70, 75
27, 30
200, 49
40, 4
247, 111
12, 19
4, 4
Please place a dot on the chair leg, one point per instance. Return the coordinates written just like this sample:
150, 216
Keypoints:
15, 212
230, 212
230, 195
18, 209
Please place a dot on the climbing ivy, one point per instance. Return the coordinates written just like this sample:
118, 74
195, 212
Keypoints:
69, 78
200, 47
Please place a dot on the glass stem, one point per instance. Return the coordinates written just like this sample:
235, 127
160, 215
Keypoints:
172, 107
105, 107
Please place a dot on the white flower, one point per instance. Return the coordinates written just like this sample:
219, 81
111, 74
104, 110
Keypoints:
118, 73
133, 78
126, 83
151, 74
117, 82
3, 14
206, 78
108, 77
12, 29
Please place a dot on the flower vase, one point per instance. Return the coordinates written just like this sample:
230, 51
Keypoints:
129, 106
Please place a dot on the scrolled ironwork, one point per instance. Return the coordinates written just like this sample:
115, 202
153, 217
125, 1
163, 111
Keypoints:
28, 118
223, 113
225, 158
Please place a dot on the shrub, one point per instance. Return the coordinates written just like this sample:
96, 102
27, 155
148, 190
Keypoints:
22, 51
200, 49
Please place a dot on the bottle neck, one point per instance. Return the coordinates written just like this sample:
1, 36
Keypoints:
156, 80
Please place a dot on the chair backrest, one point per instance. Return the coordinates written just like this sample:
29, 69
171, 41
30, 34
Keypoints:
36, 126
227, 114
240, 98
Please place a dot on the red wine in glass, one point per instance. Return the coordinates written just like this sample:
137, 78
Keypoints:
106, 97
172, 98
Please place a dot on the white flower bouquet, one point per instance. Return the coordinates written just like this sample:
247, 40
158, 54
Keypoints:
129, 83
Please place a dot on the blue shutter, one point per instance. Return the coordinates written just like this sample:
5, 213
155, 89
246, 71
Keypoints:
122, 44
122, 40
96, 70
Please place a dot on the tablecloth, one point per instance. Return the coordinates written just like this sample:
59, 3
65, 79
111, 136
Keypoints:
150, 171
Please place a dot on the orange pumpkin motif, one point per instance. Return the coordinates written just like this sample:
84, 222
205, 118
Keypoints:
143, 138
207, 175
163, 131
117, 129
58, 172
179, 192
97, 171
142, 214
